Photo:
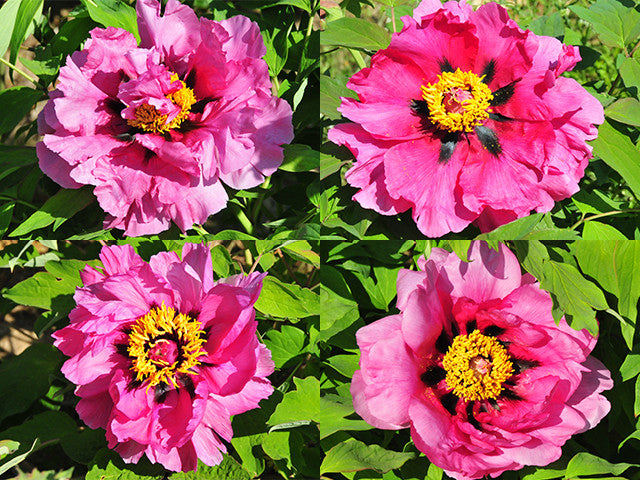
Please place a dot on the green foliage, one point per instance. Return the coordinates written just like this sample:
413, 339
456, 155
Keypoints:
113, 13
352, 455
33, 368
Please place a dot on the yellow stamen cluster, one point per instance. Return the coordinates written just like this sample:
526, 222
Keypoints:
149, 119
476, 366
156, 326
472, 110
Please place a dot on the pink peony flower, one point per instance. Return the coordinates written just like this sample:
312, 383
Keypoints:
163, 355
158, 127
475, 365
464, 118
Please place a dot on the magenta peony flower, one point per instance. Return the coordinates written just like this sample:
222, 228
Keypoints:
464, 118
475, 365
157, 128
163, 355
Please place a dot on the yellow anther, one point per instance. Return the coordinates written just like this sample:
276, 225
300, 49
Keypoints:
477, 366
149, 119
164, 325
458, 101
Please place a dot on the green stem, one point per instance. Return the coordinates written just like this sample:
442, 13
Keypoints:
358, 58
309, 29
284, 386
17, 200
600, 215
199, 229
24, 74
258, 204
244, 220
276, 83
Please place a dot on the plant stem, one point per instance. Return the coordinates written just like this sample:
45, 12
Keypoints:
255, 211
393, 19
278, 252
309, 29
24, 74
276, 84
244, 220
600, 215
358, 58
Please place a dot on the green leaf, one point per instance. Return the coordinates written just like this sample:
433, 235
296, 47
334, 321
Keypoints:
6, 214
586, 464
70, 35
43, 68
32, 367
26, 14
285, 344
594, 202
220, 259
614, 23
250, 453
355, 33
532, 255
12, 462
628, 279
303, 403
232, 235
329, 164
344, 364
15, 104
630, 367
537, 226
49, 290
383, 289
337, 313
574, 294
277, 50
625, 110
333, 410
285, 300
630, 72
353, 455
7, 447
633, 436
57, 210
636, 403
47, 426
229, 468
303, 4
614, 266
83, 445
113, 13
331, 90
601, 231
550, 25
617, 151
108, 465
8, 14
300, 158
302, 250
